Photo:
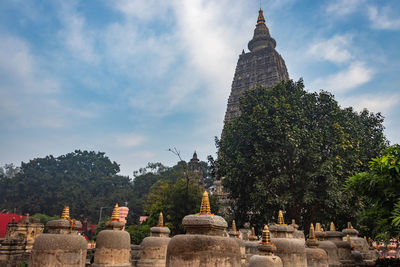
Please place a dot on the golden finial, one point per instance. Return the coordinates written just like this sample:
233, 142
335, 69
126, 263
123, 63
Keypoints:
311, 235
293, 221
205, 205
281, 221
115, 214
253, 232
65, 213
160, 220
349, 241
266, 238
332, 228
349, 226
234, 226
322, 229
318, 227
365, 238
260, 17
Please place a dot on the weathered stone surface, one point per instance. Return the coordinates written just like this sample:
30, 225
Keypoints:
135, 254
368, 255
203, 251
204, 224
113, 248
263, 65
154, 248
58, 250
343, 247
316, 257
265, 261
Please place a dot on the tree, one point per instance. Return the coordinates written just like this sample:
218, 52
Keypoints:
293, 150
379, 190
83, 180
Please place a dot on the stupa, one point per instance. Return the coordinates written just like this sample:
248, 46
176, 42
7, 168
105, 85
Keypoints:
291, 250
154, 248
266, 250
61, 246
329, 247
113, 245
251, 245
234, 233
204, 243
343, 247
316, 257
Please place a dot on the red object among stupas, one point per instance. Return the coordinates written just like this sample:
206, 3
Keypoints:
5, 218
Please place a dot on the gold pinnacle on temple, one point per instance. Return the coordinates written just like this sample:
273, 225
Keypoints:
115, 214
318, 227
266, 238
234, 226
260, 17
205, 205
349, 226
281, 221
332, 228
349, 241
160, 220
65, 213
253, 233
311, 235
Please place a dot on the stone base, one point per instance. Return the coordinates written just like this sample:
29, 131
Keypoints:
262, 261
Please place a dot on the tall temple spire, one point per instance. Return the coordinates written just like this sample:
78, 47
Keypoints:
262, 65
260, 16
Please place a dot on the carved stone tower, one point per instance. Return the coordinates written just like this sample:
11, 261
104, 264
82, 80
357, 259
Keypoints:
263, 65
195, 168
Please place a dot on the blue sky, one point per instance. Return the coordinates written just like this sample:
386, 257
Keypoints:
134, 78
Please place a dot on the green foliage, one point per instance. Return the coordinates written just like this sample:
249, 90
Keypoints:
138, 233
293, 150
379, 189
175, 201
83, 180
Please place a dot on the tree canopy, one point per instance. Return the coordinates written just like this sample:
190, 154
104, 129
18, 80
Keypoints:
379, 190
293, 150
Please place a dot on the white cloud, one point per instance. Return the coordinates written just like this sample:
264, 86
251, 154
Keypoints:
355, 75
335, 49
383, 103
75, 35
30, 97
343, 7
130, 140
380, 18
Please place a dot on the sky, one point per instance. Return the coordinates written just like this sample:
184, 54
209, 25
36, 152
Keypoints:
133, 78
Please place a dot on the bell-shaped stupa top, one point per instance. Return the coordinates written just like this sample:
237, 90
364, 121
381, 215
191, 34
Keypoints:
332, 227
261, 38
160, 220
311, 235
234, 226
205, 205
115, 214
65, 213
266, 236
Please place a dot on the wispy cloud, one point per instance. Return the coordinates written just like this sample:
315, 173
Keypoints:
335, 49
355, 75
343, 7
378, 102
383, 18
130, 140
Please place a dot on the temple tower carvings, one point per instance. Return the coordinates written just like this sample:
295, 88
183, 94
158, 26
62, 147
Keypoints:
263, 65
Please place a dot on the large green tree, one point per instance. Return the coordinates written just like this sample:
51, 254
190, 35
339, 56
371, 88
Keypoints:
379, 190
293, 150
83, 180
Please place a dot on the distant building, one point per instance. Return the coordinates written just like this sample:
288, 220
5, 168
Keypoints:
195, 169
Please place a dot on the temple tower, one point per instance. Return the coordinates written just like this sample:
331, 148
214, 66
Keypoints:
263, 65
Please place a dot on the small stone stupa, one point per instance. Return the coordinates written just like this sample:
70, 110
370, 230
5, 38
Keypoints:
292, 251
297, 233
61, 246
316, 257
266, 250
343, 247
154, 247
204, 243
113, 246
360, 244
329, 247
251, 245
234, 233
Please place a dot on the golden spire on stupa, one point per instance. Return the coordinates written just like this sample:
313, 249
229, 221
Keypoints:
205, 205
318, 227
349, 226
266, 237
65, 213
160, 220
332, 228
311, 235
234, 226
260, 17
281, 221
115, 214
349, 241
253, 232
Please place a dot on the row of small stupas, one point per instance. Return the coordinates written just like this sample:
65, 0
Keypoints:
206, 243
